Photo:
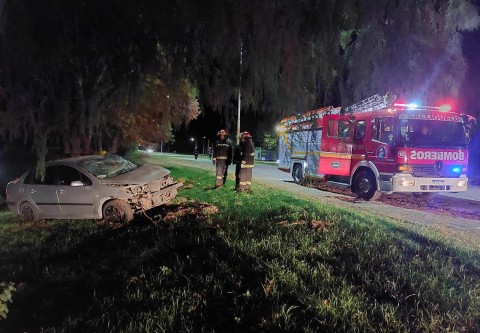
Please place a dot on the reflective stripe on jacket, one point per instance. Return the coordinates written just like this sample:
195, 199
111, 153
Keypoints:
223, 150
248, 153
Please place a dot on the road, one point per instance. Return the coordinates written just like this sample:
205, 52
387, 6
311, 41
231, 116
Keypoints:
443, 218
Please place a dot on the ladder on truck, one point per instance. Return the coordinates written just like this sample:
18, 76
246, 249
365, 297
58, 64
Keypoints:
375, 102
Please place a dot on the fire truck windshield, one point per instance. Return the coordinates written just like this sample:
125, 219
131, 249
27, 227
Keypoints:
432, 133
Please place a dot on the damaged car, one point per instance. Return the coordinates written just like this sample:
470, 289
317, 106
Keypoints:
90, 187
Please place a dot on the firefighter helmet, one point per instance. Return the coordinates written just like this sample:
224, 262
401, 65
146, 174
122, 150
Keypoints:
222, 132
246, 135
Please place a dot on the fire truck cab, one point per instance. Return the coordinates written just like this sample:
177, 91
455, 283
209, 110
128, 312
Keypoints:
378, 146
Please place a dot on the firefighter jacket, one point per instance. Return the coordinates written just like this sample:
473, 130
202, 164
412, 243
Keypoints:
238, 154
223, 150
248, 158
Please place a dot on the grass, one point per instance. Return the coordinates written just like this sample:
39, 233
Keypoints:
266, 261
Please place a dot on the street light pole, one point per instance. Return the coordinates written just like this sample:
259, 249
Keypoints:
239, 92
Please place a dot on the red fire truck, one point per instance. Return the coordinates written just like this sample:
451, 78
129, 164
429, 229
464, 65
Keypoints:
379, 146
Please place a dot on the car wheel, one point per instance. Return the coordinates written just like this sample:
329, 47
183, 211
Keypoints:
424, 195
117, 211
297, 174
28, 213
365, 186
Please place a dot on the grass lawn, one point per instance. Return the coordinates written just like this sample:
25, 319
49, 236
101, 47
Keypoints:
218, 261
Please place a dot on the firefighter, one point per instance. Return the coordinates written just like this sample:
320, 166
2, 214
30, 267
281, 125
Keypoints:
237, 160
247, 163
222, 157
422, 135
195, 152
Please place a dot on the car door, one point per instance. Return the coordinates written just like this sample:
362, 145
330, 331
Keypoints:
43, 192
75, 201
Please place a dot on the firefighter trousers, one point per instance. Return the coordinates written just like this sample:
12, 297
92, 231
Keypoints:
221, 172
237, 176
245, 179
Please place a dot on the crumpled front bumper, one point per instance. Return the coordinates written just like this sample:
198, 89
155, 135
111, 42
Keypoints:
150, 199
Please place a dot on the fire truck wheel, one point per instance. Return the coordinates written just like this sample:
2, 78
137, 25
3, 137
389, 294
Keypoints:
365, 185
297, 174
425, 195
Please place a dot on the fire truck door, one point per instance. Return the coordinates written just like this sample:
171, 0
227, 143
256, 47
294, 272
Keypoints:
313, 152
379, 148
336, 145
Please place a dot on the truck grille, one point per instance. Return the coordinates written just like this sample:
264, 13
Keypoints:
431, 171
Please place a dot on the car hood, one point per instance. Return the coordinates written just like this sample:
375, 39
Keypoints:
140, 176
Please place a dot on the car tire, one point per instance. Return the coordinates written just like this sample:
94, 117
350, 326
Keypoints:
365, 185
28, 213
297, 174
424, 195
117, 211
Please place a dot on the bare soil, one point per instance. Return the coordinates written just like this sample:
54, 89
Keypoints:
468, 209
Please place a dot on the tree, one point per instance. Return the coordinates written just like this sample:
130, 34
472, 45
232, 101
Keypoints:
79, 88
269, 142
88, 73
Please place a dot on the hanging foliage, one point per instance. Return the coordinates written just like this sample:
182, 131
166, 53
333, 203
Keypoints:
91, 73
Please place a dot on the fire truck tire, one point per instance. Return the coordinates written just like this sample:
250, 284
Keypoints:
297, 174
424, 195
365, 185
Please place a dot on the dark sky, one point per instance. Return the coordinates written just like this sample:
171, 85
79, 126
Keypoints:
210, 122
470, 91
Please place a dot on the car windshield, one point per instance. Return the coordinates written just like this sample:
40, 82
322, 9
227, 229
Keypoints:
431, 133
109, 166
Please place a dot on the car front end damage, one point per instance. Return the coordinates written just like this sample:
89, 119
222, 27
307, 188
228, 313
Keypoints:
153, 194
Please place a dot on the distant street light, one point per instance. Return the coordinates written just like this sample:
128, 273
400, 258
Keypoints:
203, 145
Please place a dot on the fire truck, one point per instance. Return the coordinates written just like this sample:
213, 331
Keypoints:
379, 146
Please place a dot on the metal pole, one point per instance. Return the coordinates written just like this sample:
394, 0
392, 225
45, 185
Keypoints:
239, 92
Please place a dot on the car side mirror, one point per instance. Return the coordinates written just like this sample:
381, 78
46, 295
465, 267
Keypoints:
76, 183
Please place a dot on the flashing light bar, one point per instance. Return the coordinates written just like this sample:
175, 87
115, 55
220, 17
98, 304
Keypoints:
409, 105
445, 108
456, 169
414, 106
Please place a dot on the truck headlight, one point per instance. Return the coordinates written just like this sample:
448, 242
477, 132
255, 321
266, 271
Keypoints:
405, 182
462, 183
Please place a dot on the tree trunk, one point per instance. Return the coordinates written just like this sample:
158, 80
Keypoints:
75, 142
86, 145
66, 146
113, 146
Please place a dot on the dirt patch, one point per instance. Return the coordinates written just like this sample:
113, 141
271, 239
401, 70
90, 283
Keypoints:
440, 205
185, 210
